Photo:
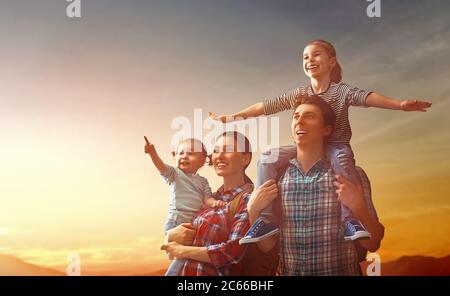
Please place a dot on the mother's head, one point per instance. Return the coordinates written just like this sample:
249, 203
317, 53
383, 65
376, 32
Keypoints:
232, 155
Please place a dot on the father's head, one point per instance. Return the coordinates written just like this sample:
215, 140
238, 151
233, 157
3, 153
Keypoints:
313, 121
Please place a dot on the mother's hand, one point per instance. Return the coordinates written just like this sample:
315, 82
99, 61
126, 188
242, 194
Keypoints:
182, 234
173, 250
262, 197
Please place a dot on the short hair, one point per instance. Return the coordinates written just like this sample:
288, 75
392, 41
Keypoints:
198, 146
328, 115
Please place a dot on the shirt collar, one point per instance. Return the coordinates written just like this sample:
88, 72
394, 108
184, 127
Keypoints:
229, 194
321, 93
319, 165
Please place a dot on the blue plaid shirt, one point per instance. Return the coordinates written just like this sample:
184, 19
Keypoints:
312, 235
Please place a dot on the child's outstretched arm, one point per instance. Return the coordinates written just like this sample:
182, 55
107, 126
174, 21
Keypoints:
150, 149
380, 101
254, 110
268, 107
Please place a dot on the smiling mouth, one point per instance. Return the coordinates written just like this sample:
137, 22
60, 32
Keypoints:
221, 165
185, 163
301, 132
312, 67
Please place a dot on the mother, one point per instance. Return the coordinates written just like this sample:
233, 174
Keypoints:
211, 243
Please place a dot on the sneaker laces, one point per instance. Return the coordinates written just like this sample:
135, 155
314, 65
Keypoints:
254, 230
351, 227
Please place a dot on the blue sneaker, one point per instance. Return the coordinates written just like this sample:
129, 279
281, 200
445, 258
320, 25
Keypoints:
261, 229
355, 230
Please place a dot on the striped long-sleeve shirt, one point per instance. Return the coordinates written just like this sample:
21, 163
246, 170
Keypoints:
340, 96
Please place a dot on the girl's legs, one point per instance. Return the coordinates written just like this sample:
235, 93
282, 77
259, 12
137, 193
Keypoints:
343, 163
271, 164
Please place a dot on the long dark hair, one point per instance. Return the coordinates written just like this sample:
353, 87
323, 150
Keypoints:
336, 73
242, 145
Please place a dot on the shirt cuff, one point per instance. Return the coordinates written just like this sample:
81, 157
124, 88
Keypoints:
364, 104
219, 256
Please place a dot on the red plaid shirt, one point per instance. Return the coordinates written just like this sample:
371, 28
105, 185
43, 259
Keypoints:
220, 236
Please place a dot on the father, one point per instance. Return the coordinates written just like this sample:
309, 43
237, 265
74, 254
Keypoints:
311, 237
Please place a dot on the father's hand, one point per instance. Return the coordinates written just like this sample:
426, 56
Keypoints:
262, 197
351, 196
182, 234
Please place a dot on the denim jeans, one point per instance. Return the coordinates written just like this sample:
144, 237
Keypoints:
175, 267
272, 163
177, 264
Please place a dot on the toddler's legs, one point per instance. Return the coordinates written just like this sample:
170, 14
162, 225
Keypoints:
170, 223
175, 267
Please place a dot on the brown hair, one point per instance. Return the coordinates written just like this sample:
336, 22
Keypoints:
336, 73
246, 148
329, 117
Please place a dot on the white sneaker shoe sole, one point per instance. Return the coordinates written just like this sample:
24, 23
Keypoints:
358, 235
251, 240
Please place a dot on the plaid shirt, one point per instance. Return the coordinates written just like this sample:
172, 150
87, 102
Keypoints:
221, 236
312, 235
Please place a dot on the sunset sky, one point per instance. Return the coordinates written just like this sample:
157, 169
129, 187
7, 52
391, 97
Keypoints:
78, 95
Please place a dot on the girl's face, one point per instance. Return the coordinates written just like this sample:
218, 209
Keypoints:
225, 158
316, 62
187, 159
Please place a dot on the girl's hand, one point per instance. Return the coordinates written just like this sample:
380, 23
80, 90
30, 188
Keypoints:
414, 105
262, 196
218, 204
223, 118
350, 195
149, 147
173, 249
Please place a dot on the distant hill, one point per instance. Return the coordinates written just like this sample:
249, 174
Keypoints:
404, 266
12, 266
415, 266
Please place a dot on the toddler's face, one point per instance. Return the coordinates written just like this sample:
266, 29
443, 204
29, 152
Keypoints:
187, 159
